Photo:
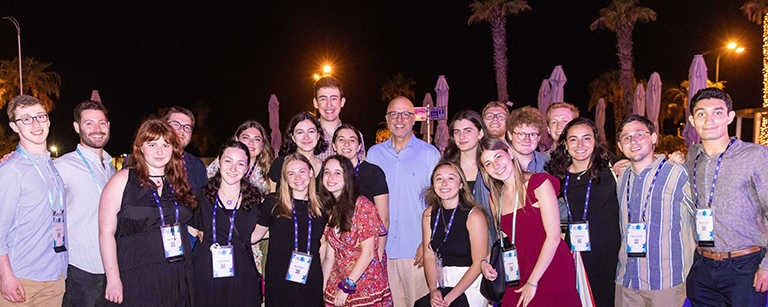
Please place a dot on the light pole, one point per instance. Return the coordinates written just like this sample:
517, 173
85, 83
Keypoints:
730, 46
18, 36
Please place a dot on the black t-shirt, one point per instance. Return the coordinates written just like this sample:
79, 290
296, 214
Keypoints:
371, 181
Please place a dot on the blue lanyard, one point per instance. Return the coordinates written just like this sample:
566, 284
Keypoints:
714, 181
586, 200
448, 230
250, 172
357, 167
55, 178
90, 169
162, 218
231, 220
650, 191
296, 229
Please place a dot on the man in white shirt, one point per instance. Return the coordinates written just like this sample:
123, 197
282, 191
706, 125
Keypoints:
85, 171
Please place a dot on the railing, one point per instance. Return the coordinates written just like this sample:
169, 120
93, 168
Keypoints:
757, 114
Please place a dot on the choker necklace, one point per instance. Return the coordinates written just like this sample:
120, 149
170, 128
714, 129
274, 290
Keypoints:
156, 176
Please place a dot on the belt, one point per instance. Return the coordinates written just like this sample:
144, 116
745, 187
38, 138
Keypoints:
726, 255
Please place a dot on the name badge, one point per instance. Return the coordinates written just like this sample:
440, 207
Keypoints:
511, 267
579, 234
298, 269
705, 231
172, 243
439, 271
59, 233
636, 240
223, 263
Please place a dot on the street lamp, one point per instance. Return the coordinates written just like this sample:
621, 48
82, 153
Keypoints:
18, 36
327, 69
730, 46
55, 150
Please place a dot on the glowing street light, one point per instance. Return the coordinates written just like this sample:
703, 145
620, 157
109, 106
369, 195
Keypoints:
316, 76
55, 150
740, 49
327, 69
730, 46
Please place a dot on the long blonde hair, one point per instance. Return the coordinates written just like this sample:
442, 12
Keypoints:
285, 197
494, 184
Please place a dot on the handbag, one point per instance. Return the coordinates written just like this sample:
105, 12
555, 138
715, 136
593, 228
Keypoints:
425, 301
494, 290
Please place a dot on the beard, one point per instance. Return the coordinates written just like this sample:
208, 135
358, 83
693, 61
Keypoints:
88, 141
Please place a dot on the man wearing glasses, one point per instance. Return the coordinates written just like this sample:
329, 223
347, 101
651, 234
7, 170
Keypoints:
495, 116
525, 127
33, 256
183, 121
407, 163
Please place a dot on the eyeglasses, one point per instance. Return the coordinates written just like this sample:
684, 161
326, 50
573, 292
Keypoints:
27, 120
178, 126
405, 115
638, 136
499, 116
522, 135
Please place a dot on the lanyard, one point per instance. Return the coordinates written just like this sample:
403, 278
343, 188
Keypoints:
514, 219
162, 218
90, 169
357, 167
650, 191
231, 220
448, 230
53, 170
250, 172
586, 199
296, 229
714, 180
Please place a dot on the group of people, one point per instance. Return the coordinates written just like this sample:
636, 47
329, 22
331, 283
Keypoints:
324, 222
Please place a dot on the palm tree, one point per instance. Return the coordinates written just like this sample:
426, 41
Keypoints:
675, 99
495, 12
757, 11
37, 81
609, 87
621, 17
398, 85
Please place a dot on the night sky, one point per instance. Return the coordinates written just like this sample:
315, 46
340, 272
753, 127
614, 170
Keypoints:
144, 56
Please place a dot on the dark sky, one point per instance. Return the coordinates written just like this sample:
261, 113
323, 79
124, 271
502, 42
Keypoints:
146, 55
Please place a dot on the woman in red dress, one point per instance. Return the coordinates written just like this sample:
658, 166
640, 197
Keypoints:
355, 274
547, 271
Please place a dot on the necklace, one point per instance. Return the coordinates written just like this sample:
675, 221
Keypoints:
229, 199
578, 177
445, 225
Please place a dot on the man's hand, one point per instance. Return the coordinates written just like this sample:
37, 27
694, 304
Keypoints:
620, 166
418, 262
12, 290
761, 280
676, 157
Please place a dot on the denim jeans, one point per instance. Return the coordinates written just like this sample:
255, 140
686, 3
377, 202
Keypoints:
726, 282
84, 289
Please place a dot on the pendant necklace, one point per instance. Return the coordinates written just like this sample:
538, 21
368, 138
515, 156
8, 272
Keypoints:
578, 177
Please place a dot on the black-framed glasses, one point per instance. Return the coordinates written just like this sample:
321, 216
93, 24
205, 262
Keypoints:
405, 115
522, 135
27, 120
638, 136
499, 116
179, 126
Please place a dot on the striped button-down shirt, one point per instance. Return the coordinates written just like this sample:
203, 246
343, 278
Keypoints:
669, 220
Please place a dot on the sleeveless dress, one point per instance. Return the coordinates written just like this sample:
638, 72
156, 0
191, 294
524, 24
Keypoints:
147, 276
557, 286
373, 285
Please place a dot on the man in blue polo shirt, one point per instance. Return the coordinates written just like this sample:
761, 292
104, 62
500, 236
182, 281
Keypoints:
407, 163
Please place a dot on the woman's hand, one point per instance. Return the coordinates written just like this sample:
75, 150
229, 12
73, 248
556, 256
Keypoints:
340, 299
488, 271
528, 292
114, 291
436, 299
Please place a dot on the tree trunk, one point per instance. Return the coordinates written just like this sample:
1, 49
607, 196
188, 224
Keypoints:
624, 45
499, 31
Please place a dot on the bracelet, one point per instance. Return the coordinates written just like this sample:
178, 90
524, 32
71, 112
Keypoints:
530, 284
349, 282
348, 289
486, 260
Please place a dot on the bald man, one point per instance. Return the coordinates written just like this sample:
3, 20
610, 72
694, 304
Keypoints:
407, 163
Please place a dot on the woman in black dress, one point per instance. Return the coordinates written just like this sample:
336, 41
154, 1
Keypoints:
234, 203
295, 224
142, 224
305, 136
581, 162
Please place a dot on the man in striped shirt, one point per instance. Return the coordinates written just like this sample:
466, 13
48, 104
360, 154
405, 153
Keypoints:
656, 215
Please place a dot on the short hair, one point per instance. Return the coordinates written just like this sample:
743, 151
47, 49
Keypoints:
562, 105
327, 82
89, 105
495, 104
179, 109
711, 93
22, 101
636, 118
526, 116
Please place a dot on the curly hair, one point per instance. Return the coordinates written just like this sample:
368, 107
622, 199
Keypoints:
525, 116
289, 146
251, 196
267, 154
341, 210
452, 152
561, 160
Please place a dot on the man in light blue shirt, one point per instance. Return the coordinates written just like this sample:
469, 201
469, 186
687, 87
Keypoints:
408, 163
33, 257
85, 172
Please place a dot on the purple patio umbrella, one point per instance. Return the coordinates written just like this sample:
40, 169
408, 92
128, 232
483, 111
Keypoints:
600, 117
544, 101
95, 96
424, 132
697, 79
441, 135
274, 122
653, 99
557, 80
638, 106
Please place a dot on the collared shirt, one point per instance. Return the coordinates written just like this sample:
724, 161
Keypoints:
196, 172
669, 219
82, 197
537, 164
408, 173
740, 200
26, 223
328, 137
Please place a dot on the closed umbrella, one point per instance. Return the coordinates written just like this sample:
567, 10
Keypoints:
600, 117
557, 80
426, 127
653, 99
274, 122
638, 105
95, 96
544, 102
697, 79
441, 135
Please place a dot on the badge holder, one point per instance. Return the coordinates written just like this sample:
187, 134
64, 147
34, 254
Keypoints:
59, 233
223, 262
511, 267
298, 269
174, 250
439, 271
636, 240
579, 235
705, 234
